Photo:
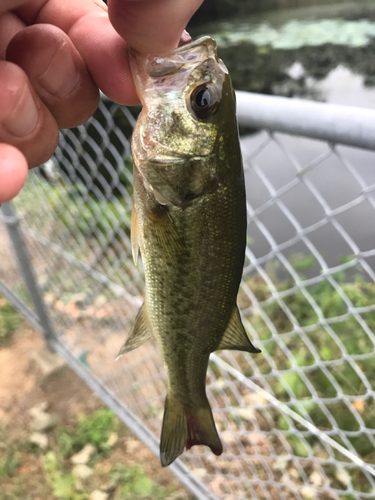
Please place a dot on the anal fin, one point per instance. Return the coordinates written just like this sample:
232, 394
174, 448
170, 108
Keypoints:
235, 336
139, 334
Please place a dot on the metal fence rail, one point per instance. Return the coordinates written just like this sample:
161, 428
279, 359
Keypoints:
298, 420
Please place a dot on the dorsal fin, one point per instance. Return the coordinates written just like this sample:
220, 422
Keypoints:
139, 334
235, 336
134, 235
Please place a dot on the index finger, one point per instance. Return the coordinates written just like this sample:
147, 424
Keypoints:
87, 24
151, 26
10, 4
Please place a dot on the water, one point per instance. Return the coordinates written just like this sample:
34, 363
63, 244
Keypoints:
342, 86
297, 33
315, 54
334, 182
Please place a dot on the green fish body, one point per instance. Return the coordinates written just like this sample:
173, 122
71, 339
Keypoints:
189, 223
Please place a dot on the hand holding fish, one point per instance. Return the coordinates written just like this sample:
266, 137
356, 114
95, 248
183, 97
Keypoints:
54, 58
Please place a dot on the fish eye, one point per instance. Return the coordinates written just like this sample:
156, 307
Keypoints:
203, 101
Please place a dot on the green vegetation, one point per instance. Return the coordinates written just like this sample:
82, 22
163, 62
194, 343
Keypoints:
9, 464
60, 481
92, 229
28, 471
94, 429
72, 207
304, 307
296, 33
136, 484
10, 319
309, 352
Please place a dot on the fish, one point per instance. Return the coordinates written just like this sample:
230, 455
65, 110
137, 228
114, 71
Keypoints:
189, 225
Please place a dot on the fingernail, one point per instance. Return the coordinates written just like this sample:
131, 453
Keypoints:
24, 118
61, 76
185, 38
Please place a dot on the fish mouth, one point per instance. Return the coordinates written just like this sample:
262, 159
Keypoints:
171, 70
161, 65
189, 54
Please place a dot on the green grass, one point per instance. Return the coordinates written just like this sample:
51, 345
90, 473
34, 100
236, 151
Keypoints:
291, 350
9, 464
54, 476
72, 214
10, 319
61, 481
73, 208
135, 484
94, 429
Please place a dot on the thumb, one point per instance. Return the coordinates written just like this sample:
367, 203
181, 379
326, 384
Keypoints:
13, 172
151, 26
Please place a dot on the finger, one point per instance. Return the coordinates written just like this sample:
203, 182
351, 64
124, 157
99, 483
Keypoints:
13, 172
10, 25
103, 50
10, 4
106, 56
57, 73
25, 122
151, 26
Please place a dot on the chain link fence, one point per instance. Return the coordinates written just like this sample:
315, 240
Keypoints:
298, 420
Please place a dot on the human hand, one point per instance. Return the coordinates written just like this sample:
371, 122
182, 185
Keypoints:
54, 58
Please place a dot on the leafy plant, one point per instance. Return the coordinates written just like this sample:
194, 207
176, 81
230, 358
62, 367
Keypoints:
62, 483
298, 33
294, 338
299, 448
94, 429
135, 484
9, 465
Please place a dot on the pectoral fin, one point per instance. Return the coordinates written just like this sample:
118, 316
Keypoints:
139, 334
134, 235
166, 232
235, 336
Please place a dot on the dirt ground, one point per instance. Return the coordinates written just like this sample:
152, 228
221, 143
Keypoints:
23, 386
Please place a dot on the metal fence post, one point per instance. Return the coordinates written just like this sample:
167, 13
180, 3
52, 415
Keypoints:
12, 223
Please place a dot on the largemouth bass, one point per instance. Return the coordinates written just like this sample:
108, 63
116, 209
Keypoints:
189, 223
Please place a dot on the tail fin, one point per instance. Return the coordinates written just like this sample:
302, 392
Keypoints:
186, 427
